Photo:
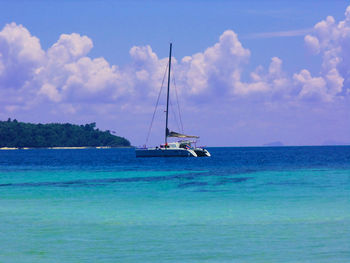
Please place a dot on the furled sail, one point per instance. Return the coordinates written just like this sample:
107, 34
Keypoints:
179, 135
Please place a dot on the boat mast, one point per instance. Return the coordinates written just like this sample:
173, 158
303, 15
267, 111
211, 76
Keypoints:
167, 99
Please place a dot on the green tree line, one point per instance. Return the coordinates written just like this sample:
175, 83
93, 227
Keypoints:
20, 134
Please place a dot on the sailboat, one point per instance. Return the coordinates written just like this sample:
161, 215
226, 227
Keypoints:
184, 147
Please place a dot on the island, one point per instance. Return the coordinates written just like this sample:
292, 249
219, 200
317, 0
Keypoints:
14, 134
274, 144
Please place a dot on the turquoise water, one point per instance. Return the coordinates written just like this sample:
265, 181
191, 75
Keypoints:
285, 204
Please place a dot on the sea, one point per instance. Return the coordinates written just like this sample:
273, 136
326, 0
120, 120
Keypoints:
243, 204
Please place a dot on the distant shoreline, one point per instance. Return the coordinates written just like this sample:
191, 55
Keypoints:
20, 135
64, 148
127, 147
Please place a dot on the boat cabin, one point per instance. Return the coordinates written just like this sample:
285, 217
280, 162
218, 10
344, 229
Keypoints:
177, 145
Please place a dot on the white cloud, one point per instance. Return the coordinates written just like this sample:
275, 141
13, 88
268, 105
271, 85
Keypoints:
50, 91
20, 56
272, 82
72, 76
311, 87
145, 72
332, 41
66, 74
69, 48
312, 43
216, 69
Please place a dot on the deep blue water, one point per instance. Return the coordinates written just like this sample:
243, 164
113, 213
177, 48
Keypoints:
255, 204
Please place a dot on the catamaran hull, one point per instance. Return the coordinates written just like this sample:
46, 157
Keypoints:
165, 153
202, 152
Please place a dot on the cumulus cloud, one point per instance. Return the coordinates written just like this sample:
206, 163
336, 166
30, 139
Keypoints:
65, 74
332, 41
145, 71
219, 71
62, 73
312, 43
311, 87
20, 56
69, 48
217, 68
272, 82
72, 76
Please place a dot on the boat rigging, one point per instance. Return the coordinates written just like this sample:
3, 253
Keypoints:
180, 148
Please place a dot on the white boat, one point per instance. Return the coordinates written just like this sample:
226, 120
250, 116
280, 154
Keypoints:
181, 148
173, 149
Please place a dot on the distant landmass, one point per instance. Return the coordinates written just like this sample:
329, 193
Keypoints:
28, 135
277, 143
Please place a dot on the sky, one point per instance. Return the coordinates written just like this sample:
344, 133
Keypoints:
246, 73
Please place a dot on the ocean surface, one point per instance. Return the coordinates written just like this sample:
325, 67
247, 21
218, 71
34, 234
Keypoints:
254, 204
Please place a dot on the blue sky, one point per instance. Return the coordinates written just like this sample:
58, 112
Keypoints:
305, 111
116, 26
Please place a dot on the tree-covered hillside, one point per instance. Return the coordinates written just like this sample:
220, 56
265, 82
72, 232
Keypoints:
20, 134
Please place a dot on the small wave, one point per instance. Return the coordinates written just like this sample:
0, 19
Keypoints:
191, 184
233, 180
287, 183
